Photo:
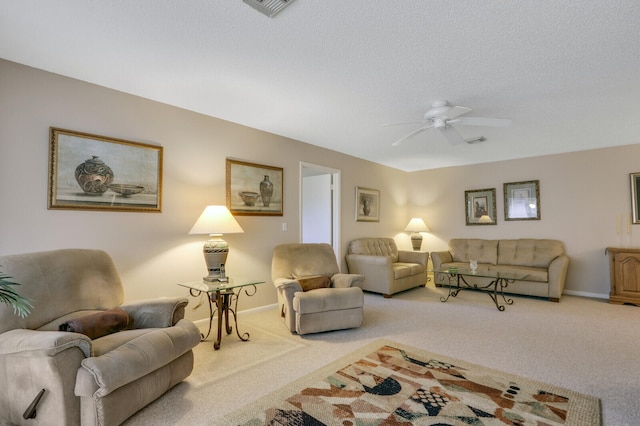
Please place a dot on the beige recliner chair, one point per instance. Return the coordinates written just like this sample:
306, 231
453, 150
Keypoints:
336, 305
387, 270
90, 382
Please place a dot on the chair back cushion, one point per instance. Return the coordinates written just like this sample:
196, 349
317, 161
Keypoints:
375, 247
59, 282
303, 260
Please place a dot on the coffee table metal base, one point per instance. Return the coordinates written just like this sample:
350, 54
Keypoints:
495, 288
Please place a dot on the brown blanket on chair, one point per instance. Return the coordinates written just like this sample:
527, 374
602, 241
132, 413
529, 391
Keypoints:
98, 324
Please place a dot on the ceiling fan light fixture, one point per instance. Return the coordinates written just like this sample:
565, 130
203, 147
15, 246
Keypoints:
269, 8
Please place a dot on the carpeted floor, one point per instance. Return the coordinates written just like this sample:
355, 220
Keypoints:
588, 346
386, 383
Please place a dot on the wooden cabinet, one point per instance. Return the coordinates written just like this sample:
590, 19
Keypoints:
624, 267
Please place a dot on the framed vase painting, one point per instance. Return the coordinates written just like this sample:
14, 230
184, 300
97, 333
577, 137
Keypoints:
254, 189
522, 200
91, 172
480, 206
367, 205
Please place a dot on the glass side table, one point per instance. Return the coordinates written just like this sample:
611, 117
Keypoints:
224, 296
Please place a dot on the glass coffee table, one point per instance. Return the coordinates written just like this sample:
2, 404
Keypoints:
224, 296
497, 282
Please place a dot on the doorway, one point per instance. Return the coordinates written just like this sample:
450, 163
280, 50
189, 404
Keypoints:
320, 205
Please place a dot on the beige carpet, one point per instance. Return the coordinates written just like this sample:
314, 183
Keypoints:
585, 345
387, 383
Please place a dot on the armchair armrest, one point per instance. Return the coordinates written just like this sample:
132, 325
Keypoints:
421, 257
347, 280
155, 313
44, 343
440, 257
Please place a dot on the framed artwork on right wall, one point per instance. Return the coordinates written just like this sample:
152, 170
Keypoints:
522, 200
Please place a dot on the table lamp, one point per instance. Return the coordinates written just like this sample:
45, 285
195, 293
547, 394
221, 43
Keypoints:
416, 226
215, 221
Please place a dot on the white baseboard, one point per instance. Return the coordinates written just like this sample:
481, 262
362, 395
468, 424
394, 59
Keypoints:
586, 294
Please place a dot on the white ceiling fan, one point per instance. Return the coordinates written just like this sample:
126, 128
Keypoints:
442, 116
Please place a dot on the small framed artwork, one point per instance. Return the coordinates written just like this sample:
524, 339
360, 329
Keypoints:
91, 172
635, 197
367, 204
254, 189
522, 200
480, 206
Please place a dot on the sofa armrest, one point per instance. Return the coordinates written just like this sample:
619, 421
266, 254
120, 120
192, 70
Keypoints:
155, 313
557, 275
440, 257
287, 288
421, 257
347, 280
44, 343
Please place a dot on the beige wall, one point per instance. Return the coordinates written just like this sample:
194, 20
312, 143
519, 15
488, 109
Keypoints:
581, 193
153, 250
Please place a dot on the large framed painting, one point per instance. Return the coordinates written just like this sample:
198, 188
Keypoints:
522, 200
254, 189
367, 204
480, 206
91, 172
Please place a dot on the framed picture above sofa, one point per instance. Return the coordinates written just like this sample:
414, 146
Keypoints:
480, 206
367, 204
522, 200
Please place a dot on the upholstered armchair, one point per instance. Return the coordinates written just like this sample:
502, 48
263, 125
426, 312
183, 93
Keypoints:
387, 270
80, 380
330, 300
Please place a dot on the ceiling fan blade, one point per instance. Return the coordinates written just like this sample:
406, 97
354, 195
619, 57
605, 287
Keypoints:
415, 132
401, 123
456, 111
482, 121
452, 135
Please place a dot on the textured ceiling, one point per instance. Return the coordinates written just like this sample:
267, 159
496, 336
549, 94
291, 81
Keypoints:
330, 73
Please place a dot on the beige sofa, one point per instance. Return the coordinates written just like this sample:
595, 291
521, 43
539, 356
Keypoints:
386, 269
90, 382
544, 260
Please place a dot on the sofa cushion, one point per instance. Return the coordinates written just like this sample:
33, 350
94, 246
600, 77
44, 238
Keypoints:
465, 249
533, 274
402, 270
98, 324
375, 247
529, 252
314, 282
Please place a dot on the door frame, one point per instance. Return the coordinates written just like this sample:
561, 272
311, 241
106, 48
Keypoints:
335, 201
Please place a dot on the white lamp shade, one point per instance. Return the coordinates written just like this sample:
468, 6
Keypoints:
416, 224
485, 219
216, 220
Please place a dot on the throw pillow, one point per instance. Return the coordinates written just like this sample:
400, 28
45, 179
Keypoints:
98, 324
312, 283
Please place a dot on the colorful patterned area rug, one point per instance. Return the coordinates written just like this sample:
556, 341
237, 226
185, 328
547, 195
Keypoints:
387, 383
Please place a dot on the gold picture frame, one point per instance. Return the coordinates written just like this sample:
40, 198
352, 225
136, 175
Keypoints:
254, 189
92, 172
480, 206
522, 200
367, 205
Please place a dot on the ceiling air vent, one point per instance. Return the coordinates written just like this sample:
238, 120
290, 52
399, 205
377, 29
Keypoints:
268, 7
